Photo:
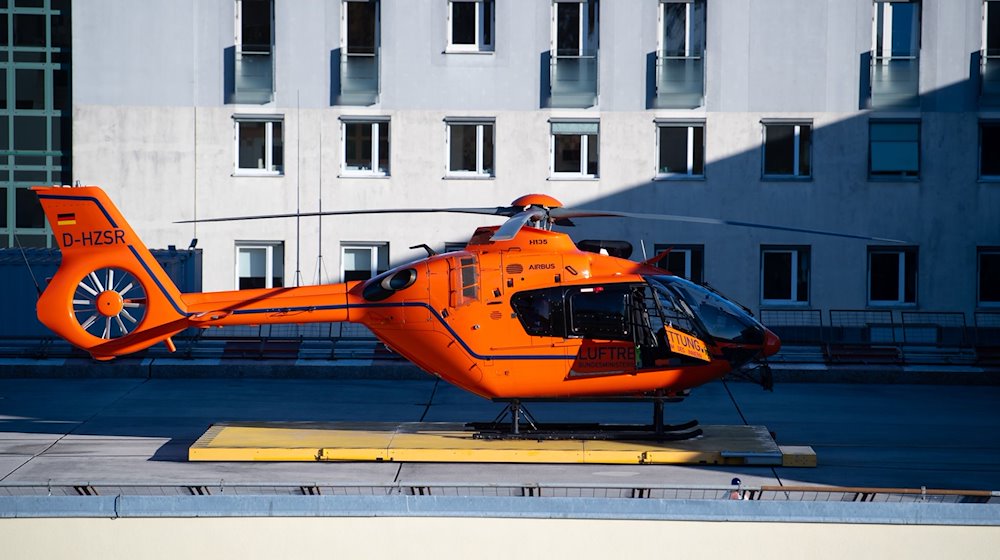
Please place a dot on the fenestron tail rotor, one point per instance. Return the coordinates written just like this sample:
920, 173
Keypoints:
109, 303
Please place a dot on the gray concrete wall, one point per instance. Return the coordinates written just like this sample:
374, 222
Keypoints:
160, 137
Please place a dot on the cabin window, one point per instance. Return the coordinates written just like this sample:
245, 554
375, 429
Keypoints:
600, 312
465, 281
541, 312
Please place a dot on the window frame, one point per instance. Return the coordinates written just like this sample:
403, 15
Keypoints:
479, 46
376, 249
582, 172
904, 253
694, 254
898, 176
659, 174
980, 252
375, 171
480, 172
267, 170
797, 150
269, 259
796, 252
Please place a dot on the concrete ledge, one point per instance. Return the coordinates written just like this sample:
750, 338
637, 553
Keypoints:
500, 507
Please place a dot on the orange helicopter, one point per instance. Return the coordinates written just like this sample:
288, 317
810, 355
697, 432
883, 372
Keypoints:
521, 313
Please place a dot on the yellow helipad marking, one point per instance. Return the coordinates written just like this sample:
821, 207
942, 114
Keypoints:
453, 443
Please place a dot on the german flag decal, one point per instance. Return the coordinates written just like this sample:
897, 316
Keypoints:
66, 219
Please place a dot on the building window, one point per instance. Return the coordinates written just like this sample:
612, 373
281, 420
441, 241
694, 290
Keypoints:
254, 62
892, 275
573, 61
895, 76
260, 264
363, 260
787, 149
470, 148
784, 275
259, 145
894, 149
686, 261
574, 149
359, 52
680, 150
989, 276
989, 149
366, 147
680, 59
470, 25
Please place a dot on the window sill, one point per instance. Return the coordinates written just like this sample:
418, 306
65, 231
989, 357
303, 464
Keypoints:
254, 173
573, 178
891, 305
469, 177
467, 50
893, 179
786, 178
994, 179
678, 177
363, 176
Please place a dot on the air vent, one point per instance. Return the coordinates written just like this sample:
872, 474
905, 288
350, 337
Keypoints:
496, 315
514, 269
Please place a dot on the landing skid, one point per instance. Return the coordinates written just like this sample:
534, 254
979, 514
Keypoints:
523, 426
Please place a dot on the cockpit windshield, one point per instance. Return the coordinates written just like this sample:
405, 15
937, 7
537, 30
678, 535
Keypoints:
720, 318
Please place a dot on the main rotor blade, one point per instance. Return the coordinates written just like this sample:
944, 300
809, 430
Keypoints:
494, 211
509, 229
561, 213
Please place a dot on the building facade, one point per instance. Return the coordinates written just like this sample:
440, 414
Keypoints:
859, 116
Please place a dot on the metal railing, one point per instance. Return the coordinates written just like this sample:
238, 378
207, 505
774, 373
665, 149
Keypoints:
895, 81
254, 77
359, 79
573, 80
509, 490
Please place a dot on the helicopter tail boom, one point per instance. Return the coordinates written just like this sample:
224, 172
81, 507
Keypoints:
109, 295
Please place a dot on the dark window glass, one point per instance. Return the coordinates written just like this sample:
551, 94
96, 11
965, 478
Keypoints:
361, 27
904, 38
488, 149
252, 144
698, 165
30, 133
568, 152
3, 207
600, 313
463, 148
4, 37
777, 275
463, 23
29, 30
674, 16
894, 149
256, 26
28, 212
593, 153
4, 134
686, 262
277, 148
383, 147
29, 89
60, 90
358, 148
61, 30
884, 277
673, 147
989, 148
993, 29
779, 149
567, 29
805, 150
3, 88
989, 277
541, 312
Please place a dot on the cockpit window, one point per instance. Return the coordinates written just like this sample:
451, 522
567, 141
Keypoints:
720, 318
541, 312
600, 312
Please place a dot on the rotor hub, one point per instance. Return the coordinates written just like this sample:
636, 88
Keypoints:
541, 200
110, 303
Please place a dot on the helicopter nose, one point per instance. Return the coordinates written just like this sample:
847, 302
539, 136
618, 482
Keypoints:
771, 343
